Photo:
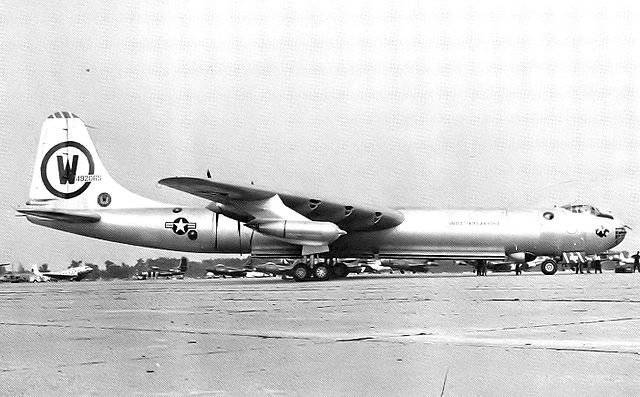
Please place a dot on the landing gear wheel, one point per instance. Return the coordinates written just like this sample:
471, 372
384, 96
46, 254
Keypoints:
322, 272
549, 267
301, 272
340, 270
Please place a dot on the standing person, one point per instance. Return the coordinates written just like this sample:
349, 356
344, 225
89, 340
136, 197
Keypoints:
597, 266
518, 270
579, 267
636, 261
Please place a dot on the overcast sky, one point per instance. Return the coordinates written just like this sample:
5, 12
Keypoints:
437, 104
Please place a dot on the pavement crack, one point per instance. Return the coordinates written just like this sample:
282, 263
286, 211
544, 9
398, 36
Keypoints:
81, 364
161, 330
383, 337
358, 339
576, 349
579, 300
558, 324
265, 336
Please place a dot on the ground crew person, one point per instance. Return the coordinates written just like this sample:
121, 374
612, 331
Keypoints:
636, 261
597, 266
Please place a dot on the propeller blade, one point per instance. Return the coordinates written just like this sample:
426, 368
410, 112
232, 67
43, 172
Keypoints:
215, 243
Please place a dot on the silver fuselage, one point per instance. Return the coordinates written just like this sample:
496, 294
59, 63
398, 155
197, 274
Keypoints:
425, 233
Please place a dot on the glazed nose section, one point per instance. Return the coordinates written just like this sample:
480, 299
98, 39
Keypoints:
620, 232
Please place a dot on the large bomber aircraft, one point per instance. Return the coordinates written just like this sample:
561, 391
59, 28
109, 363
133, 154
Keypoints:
72, 191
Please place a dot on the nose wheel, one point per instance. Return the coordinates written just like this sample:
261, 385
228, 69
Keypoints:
549, 267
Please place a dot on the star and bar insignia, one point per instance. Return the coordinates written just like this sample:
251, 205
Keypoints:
180, 226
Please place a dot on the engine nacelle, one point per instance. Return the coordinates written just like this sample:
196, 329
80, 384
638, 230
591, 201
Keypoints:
310, 233
522, 257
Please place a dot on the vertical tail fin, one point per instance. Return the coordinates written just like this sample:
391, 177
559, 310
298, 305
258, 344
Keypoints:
68, 172
248, 263
183, 264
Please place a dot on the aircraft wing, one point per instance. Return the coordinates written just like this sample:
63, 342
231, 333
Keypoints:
246, 204
71, 216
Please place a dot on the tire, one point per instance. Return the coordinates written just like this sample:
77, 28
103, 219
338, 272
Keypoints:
322, 272
340, 270
301, 272
549, 267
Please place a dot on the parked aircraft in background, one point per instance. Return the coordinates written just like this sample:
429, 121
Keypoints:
245, 270
622, 257
374, 266
72, 274
223, 271
283, 269
156, 272
72, 191
624, 262
404, 266
509, 266
10, 277
15, 278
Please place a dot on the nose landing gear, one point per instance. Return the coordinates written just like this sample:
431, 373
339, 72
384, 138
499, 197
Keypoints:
549, 267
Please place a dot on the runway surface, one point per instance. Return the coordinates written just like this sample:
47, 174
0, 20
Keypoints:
365, 335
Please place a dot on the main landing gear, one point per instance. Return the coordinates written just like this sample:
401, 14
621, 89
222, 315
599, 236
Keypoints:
310, 269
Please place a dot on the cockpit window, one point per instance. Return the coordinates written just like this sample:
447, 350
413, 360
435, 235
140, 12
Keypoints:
582, 209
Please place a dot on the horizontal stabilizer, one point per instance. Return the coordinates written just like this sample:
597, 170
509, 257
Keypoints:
70, 216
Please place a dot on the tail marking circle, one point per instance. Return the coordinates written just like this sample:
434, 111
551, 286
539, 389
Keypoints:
67, 169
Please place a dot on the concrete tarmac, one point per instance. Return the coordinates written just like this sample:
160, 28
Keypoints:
427, 335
